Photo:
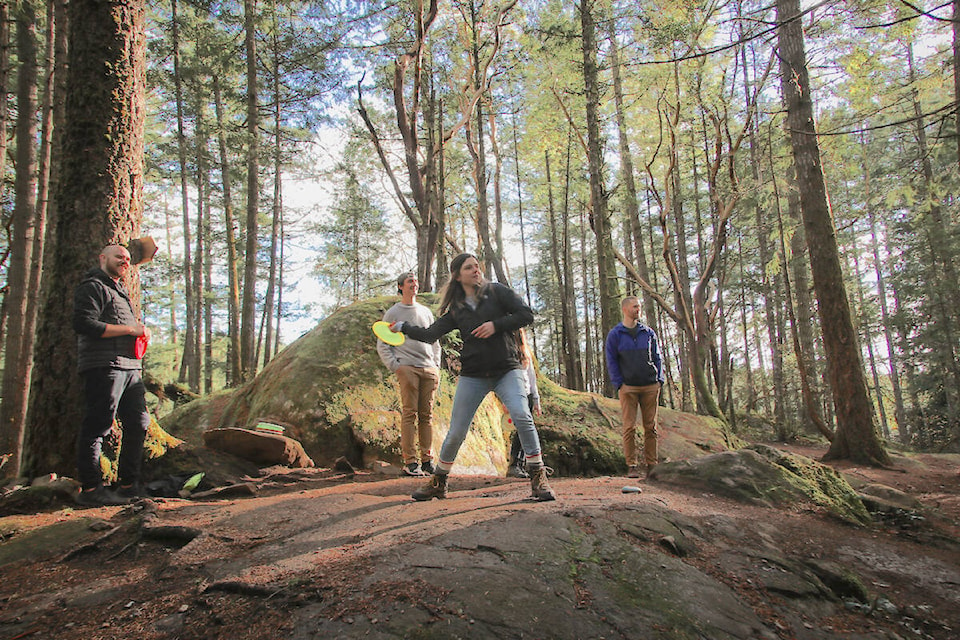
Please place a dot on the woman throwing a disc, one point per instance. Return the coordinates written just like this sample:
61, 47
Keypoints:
488, 315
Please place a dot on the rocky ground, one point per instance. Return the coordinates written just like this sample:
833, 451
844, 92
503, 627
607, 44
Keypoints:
321, 554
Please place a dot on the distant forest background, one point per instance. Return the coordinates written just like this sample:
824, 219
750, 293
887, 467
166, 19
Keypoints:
778, 182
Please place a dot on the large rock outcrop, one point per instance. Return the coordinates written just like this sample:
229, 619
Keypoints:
334, 395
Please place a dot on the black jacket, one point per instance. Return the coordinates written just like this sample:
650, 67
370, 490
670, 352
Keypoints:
489, 357
97, 302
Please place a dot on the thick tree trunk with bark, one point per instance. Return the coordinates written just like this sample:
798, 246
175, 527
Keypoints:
856, 438
99, 202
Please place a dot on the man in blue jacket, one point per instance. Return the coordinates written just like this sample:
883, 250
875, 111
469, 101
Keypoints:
636, 371
107, 329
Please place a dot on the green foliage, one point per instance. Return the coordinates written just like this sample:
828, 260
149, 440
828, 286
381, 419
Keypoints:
155, 445
350, 261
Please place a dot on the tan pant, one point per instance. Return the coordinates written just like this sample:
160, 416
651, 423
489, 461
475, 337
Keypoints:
646, 397
417, 389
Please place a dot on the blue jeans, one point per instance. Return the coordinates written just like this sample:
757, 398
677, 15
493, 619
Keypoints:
511, 390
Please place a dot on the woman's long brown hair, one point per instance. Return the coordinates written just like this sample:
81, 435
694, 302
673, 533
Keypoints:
452, 295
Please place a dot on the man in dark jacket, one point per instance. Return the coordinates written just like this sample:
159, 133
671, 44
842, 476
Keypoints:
636, 371
107, 331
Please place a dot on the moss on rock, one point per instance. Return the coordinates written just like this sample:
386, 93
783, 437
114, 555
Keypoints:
333, 394
761, 474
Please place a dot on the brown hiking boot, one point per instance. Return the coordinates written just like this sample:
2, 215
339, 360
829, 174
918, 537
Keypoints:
539, 488
436, 487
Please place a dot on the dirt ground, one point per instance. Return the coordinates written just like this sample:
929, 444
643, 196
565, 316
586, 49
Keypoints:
320, 554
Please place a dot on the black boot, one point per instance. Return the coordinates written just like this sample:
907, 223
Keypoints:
516, 470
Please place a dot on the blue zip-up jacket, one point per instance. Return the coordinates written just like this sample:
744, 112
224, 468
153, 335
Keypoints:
633, 361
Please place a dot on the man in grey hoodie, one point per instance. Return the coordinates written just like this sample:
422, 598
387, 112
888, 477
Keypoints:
417, 367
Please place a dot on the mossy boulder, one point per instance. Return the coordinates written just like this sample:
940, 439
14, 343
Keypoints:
761, 474
333, 394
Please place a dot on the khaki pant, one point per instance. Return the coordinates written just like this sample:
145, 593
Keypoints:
417, 389
646, 397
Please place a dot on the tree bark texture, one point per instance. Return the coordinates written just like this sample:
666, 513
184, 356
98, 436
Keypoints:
99, 202
856, 438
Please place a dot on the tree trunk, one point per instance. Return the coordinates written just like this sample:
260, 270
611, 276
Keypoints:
856, 438
5, 89
203, 270
501, 265
893, 358
47, 179
806, 390
590, 374
195, 366
436, 175
276, 334
277, 203
47, 175
523, 234
190, 329
207, 235
248, 311
608, 287
899, 413
568, 278
234, 374
17, 365
768, 290
946, 299
631, 203
956, 72
172, 284
750, 403
423, 180
570, 377
871, 358
99, 202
